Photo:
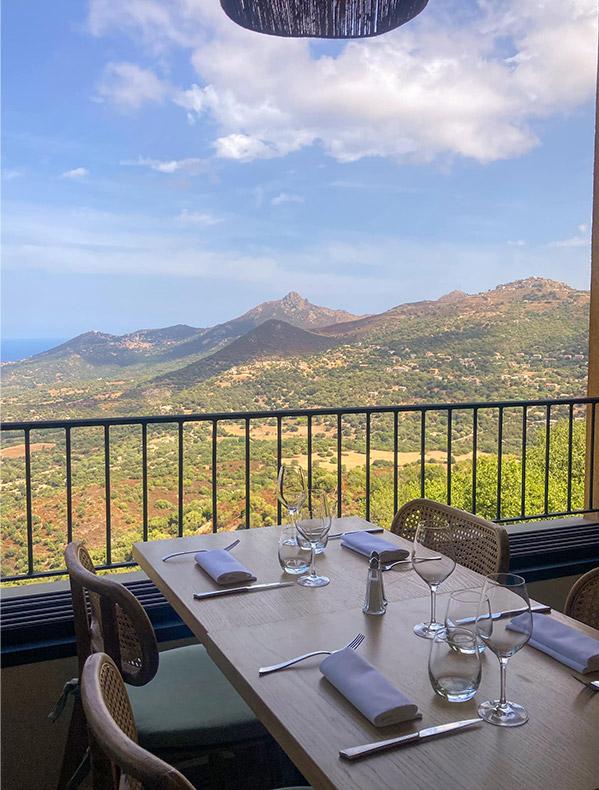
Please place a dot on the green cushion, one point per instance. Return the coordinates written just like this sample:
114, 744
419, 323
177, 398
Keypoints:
190, 703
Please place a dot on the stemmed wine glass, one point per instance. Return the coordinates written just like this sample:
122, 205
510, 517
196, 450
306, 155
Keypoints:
504, 592
313, 524
292, 490
433, 562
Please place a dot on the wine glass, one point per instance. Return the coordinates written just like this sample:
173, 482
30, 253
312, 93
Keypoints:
292, 490
433, 562
313, 524
505, 592
462, 609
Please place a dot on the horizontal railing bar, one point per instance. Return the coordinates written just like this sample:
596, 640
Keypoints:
64, 572
258, 415
544, 516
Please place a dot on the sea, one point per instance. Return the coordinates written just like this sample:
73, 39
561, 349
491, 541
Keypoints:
14, 348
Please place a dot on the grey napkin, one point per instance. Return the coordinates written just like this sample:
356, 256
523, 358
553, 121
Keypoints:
365, 542
223, 568
566, 644
367, 689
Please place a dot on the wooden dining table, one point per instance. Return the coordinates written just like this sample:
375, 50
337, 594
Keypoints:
557, 748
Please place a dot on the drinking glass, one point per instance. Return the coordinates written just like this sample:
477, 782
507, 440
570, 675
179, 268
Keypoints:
292, 556
454, 664
314, 524
323, 542
462, 609
292, 490
433, 561
505, 592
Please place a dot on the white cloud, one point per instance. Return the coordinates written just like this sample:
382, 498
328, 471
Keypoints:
197, 218
192, 166
128, 86
284, 197
582, 240
517, 243
9, 175
468, 84
76, 175
243, 148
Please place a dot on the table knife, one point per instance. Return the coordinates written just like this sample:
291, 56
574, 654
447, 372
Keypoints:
356, 752
540, 609
245, 589
353, 531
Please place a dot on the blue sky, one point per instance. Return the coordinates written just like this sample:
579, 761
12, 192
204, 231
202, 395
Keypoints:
161, 165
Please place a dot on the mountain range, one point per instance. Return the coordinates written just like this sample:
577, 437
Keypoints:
447, 347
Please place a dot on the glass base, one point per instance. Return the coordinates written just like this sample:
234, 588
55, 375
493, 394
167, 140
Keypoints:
509, 715
427, 630
313, 581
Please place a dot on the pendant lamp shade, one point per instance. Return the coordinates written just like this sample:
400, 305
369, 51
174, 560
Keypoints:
322, 18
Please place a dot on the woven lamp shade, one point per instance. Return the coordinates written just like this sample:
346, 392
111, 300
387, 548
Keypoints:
322, 18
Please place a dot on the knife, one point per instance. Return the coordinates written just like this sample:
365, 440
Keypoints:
353, 531
356, 752
248, 588
540, 609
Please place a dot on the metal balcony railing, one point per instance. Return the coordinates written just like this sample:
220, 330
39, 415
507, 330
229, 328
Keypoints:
508, 450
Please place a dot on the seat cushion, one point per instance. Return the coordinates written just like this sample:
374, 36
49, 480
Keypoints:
190, 703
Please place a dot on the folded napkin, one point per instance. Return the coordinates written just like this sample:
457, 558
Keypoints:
223, 568
566, 644
365, 542
367, 689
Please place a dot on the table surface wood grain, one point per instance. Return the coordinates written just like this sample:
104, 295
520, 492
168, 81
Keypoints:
558, 748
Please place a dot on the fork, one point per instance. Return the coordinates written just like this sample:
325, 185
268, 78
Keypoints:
593, 685
354, 644
197, 551
409, 561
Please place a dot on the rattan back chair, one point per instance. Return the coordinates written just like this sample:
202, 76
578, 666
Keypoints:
479, 544
112, 728
115, 622
109, 618
582, 602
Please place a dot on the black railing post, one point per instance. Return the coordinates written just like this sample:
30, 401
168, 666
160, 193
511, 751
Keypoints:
367, 466
395, 461
29, 502
214, 476
547, 455
499, 460
69, 483
449, 447
339, 469
570, 440
422, 452
524, 441
180, 466
107, 491
592, 458
247, 473
309, 438
144, 478
474, 456
279, 459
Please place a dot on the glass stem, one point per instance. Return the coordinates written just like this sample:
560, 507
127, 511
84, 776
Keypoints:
313, 560
434, 603
503, 671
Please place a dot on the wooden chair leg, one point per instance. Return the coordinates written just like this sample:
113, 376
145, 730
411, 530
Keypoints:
76, 745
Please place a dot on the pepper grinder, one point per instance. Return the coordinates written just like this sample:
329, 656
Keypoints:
374, 603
